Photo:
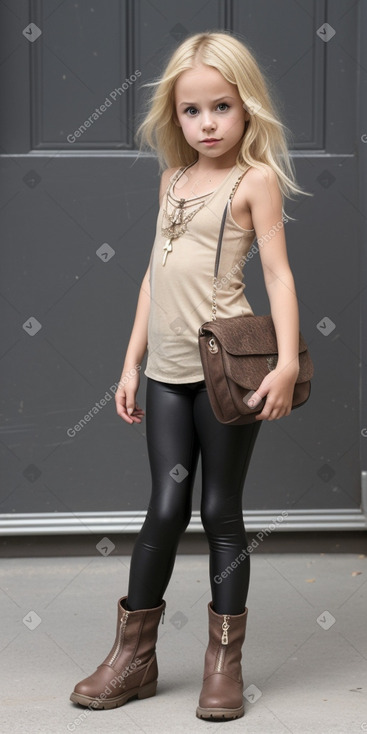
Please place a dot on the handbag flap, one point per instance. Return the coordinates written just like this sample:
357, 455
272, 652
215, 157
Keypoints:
247, 335
250, 371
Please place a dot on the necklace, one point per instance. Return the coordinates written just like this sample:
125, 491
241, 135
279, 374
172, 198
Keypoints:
177, 219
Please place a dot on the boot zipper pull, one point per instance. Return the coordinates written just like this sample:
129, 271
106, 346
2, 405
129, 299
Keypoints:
225, 628
163, 616
124, 620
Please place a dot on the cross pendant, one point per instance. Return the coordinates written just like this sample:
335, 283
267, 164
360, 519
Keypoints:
166, 249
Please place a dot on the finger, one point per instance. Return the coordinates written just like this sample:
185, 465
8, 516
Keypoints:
131, 404
138, 409
135, 417
265, 413
270, 415
262, 416
121, 409
123, 414
254, 400
137, 413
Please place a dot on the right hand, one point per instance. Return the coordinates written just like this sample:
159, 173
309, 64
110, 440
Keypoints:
125, 399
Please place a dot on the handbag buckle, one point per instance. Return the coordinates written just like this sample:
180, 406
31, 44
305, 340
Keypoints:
212, 345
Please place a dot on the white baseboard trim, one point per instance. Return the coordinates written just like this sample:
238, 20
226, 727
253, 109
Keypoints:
57, 523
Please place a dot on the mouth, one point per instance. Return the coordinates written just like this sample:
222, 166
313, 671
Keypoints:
211, 141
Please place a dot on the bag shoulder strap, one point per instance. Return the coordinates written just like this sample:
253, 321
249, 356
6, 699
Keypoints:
220, 237
219, 245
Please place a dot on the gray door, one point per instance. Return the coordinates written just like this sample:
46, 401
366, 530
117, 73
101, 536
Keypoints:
78, 213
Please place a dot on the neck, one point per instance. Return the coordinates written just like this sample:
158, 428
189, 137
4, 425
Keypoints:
205, 167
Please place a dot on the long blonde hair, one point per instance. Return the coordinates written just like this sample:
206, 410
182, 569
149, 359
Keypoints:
265, 141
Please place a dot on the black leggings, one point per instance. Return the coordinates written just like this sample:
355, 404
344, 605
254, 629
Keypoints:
179, 423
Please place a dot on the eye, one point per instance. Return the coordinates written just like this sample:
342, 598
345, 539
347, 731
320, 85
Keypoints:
191, 111
223, 105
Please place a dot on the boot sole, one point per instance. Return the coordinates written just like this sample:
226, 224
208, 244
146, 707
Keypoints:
111, 703
219, 713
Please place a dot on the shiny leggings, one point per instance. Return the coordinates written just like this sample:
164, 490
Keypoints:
179, 424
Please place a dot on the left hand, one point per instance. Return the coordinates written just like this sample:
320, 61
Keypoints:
278, 387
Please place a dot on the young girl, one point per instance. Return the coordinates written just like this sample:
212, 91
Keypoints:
212, 122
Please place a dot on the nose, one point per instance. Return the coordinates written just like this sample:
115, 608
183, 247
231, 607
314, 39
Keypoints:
207, 122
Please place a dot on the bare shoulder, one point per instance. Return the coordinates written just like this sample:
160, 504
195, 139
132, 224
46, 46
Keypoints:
260, 180
264, 176
165, 179
252, 190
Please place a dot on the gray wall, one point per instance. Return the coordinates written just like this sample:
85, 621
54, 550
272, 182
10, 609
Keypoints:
65, 204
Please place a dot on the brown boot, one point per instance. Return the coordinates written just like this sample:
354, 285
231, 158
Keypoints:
130, 669
221, 695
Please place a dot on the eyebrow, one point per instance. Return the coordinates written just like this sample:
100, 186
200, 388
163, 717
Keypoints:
225, 96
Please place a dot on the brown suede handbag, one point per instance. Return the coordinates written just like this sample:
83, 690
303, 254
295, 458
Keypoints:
237, 353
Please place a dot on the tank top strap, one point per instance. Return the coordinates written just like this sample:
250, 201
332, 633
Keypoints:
236, 184
227, 189
221, 194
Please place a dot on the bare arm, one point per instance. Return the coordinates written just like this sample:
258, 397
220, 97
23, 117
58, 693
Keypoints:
139, 335
266, 211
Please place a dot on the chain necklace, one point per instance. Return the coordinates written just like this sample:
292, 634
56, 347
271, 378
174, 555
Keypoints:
177, 219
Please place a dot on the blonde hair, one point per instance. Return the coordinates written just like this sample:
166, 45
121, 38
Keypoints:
265, 139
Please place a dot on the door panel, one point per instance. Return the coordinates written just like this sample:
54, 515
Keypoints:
78, 214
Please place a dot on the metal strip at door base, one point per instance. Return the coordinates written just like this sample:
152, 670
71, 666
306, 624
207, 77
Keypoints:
58, 523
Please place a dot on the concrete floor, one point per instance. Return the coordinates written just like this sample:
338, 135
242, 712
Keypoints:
304, 656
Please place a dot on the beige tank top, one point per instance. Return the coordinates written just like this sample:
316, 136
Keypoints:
181, 290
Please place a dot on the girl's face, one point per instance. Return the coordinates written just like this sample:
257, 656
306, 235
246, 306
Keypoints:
210, 112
